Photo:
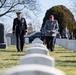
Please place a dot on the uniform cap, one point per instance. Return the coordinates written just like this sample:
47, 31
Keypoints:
18, 12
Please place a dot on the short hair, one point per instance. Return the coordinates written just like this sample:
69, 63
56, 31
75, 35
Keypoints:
51, 16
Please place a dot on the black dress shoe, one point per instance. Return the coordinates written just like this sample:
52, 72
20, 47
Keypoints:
52, 50
18, 50
21, 50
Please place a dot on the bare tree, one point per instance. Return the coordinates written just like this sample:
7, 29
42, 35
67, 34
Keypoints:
7, 6
36, 24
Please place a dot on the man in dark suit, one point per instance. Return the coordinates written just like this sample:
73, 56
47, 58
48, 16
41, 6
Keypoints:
19, 29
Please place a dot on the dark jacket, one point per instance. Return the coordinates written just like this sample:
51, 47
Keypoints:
19, 26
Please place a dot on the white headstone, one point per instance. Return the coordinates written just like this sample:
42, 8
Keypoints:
33, 70
37, 40
8, 41
37, 45
63, 42
70, 44
13, 40
38, 59
58, 42
39, 50
74, 46
27, 40
66, 44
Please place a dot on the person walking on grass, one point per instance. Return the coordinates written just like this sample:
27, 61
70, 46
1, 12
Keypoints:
51, 28
19, 29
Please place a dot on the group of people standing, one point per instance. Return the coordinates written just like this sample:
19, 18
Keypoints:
67, 35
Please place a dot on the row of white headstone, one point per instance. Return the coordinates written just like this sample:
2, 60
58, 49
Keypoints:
68, 44
36, 61
8, 41
12, 41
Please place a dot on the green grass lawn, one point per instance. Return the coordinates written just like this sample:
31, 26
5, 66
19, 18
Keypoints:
65, 59
10, 57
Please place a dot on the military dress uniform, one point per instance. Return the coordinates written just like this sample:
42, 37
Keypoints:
19, 28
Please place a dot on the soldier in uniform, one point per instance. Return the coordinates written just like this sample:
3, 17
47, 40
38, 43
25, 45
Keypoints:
19, 29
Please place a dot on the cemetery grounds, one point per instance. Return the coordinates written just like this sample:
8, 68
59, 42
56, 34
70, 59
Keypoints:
65, 60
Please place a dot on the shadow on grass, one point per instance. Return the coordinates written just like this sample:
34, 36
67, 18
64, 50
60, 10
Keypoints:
67, 63
17, 54
7, 51
69, 56
70, 61
11, 59
63, 52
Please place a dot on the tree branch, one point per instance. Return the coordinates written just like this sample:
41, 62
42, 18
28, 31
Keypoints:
9, 6
8, 10
3, 3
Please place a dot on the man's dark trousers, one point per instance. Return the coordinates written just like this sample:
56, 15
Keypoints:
50, 41
20, 42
